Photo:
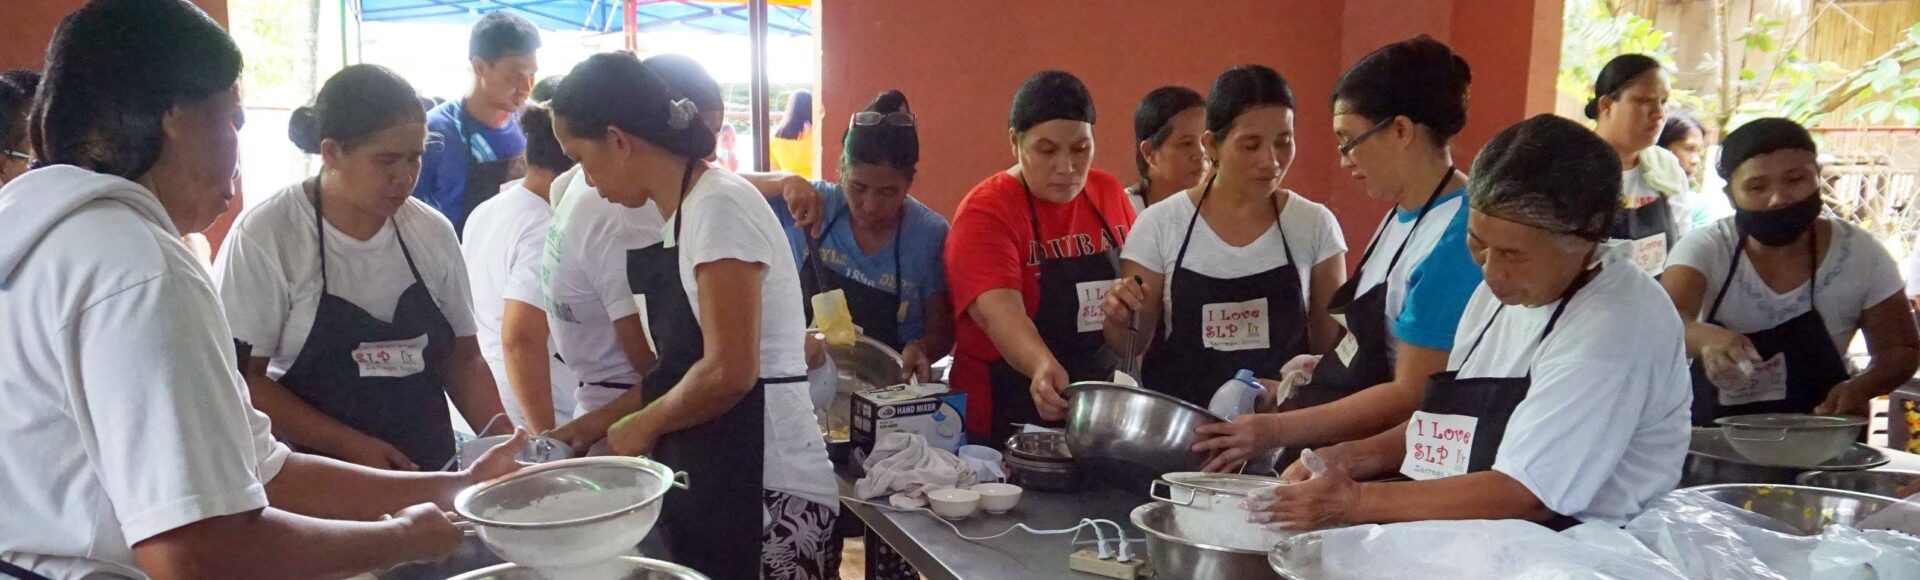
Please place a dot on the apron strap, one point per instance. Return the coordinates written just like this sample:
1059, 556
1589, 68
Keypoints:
1554, 320
1813, 274
320, 234
9, 569
686, 185
1424, 209
813, 245
1286, 246
1033, 217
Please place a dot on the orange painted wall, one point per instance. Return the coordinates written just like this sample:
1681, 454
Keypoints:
959, 63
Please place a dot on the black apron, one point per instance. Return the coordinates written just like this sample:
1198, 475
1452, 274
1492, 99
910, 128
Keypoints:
408, 412
1367, 321
715, 525
15, 571
1083, 354
484, 178
1181, 364
1814, 366
1491, 401
1653, 219
877, 311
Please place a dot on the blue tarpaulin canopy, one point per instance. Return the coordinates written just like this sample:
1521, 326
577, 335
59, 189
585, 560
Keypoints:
790, 17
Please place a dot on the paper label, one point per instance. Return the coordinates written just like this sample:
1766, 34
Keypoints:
1650, 253
1231, 326
1438, 445
1091, 317
1767, 382
393, 358
1349, 345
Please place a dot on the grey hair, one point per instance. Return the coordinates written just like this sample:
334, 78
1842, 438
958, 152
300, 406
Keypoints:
1548, 173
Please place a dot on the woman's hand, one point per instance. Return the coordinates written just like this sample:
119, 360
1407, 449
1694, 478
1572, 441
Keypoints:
803, 202
1049, 389
1323, 501
1727, 355
372, 452
914, 361
632, 436
1846, 398
1232, 443
583, 432
1126, 298
500, 460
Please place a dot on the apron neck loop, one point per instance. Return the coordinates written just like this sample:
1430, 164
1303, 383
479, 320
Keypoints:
1566, 297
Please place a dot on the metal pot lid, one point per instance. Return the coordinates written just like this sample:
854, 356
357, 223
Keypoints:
1791, 421
1221, 483
1712, 443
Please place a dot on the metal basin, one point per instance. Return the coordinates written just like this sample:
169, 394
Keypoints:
1297, 558
1040, 447
1791, 439
1711, 459
1129, 436
1173, 556
628, 568
1804, 510
1881, 482
569, 513
865, 364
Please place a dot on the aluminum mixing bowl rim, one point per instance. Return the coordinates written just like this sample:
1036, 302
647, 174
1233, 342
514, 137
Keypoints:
1810, 490
650, 563
1138, 519
463, 503
1827, 422
1075, 388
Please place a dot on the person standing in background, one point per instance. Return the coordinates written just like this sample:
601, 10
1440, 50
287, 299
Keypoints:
791, 149
506, 239
1168, 126
479, 146
1686, 139
1629, 110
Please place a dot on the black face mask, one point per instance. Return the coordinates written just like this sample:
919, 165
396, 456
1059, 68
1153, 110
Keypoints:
1779, 227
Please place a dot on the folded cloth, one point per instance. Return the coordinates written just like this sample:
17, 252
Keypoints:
905, 465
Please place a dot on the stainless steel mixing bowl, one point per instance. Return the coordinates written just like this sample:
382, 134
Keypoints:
1805, 510
1129, 436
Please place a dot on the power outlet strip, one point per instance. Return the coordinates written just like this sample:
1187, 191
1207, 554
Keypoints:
1087, 560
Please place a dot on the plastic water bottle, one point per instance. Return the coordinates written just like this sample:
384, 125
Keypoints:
1237, 396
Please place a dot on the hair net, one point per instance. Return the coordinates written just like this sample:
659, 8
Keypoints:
1549, 173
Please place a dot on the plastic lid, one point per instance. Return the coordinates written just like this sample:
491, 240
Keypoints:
1246, 376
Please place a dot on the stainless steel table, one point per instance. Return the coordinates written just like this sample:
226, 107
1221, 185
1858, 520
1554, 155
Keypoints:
936, 552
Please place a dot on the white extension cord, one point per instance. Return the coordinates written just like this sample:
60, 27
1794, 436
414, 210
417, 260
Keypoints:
1122, 553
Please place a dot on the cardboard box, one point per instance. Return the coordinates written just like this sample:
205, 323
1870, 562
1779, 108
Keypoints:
928, 409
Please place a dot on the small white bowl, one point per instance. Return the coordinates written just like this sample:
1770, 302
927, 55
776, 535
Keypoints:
954, 504
997, 498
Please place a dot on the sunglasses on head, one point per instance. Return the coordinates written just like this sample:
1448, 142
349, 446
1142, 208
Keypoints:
871, 118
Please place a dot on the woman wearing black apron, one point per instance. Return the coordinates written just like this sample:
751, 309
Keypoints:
352, 298
1168, 126
1629, 110
1567, 404
1032, 252
727, 400
878, 245
1760, 343
1240, 269
1393, 113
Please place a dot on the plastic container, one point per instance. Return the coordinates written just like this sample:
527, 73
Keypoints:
1237, 396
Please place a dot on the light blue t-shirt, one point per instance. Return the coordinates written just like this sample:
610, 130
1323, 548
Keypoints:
922, 238
1438, 290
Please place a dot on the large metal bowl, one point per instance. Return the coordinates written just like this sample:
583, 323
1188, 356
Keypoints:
1297, 558
518, 520
1791, 439
1711, 459
1173, 556
628, 568
1804, 510
1040, 447
1129, 436
1885, 483
866, 364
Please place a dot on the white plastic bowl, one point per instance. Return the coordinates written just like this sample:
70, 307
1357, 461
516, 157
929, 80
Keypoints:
997, 498
954, 504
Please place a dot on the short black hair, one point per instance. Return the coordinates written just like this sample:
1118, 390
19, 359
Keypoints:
1614, 78
685, 75
543, 90
1760, 137
1241, 89
355, 103
1676, 128
1419, 78
114, 69
613, 89
1153, 120
883, 144
1050, 96
501, 33
1549, 173
17, 87
543, 149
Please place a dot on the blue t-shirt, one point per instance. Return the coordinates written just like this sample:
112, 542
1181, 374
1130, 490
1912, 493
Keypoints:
1438, 290
443, 169
922, 238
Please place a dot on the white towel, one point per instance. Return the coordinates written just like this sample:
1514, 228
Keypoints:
905, 465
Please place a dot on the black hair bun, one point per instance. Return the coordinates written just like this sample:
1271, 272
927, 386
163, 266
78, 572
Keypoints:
304, 130
892, 101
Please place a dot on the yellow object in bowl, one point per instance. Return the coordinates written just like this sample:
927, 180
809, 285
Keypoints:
832, 318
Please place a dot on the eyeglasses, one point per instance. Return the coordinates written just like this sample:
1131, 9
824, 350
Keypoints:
16, 154
1346, 149
871, 118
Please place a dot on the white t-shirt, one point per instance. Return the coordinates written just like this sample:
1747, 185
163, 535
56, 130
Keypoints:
505, 241
1400, 224
1154, 243
727, 219
125, 415
269, 272
1636, 192
1605, 425
585, 277
1856, 274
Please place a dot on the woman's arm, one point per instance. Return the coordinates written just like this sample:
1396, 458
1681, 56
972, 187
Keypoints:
1893, 344
1328, 275
301, 424
936, 336
1001, 314
523, 339
470, 385
1148, 296
1718, 349
728, 370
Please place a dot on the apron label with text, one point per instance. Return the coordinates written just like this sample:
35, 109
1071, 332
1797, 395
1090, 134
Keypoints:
1231, 326
1438, 445
1768, 382
393, 358
1349, 345
1650, 253
1091, 317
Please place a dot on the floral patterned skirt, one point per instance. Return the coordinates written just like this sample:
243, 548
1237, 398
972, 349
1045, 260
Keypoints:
798, 541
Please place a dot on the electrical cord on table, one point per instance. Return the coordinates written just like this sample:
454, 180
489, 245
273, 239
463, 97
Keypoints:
1124, 553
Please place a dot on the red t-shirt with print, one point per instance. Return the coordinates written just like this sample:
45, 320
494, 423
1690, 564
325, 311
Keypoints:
992, 246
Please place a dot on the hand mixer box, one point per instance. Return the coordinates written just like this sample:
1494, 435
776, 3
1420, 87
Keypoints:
928, 409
